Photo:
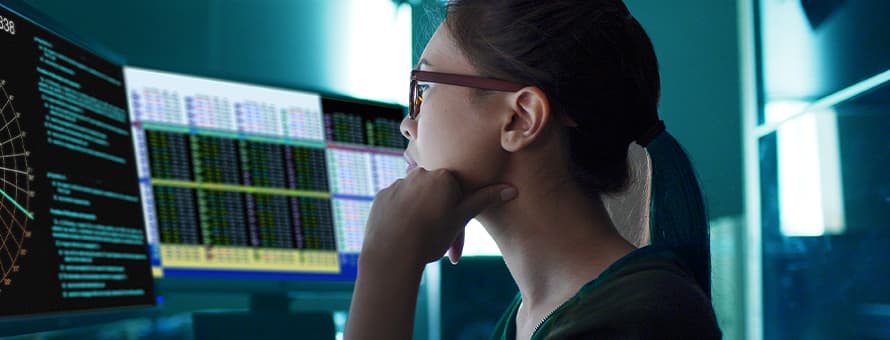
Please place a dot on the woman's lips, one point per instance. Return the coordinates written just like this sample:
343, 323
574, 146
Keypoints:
411, 163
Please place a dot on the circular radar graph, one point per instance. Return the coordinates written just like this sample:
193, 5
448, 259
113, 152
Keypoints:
15, 188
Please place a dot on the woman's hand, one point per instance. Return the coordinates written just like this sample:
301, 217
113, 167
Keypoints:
412, 223
419, 217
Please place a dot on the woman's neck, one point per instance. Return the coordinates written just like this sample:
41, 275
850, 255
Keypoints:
554, 239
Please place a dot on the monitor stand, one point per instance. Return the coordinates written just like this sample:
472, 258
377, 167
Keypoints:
269, 317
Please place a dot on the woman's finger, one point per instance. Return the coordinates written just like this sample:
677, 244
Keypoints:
457, 248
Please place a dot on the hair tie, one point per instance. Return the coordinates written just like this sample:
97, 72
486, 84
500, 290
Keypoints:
650, 134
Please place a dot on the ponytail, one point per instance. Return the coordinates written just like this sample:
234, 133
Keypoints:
677, 213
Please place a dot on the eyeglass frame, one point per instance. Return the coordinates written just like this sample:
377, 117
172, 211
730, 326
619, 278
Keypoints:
477, 82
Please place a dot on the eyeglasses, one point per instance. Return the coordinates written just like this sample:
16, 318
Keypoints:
416, 97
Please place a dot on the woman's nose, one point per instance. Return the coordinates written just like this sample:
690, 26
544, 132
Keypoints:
408, 127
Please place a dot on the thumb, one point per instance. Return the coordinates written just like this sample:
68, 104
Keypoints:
479, 200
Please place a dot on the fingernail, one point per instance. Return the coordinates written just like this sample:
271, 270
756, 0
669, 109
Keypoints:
508, 194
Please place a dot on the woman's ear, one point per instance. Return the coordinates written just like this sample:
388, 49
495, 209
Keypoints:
530, 114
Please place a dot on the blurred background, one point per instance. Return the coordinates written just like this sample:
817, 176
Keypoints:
782, 105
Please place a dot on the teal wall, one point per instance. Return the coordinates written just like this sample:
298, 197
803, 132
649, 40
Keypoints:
698, 51
284, 43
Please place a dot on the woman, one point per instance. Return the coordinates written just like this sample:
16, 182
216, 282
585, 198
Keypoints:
521, 116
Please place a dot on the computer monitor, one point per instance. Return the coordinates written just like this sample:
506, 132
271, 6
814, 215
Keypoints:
241, 181
72, 239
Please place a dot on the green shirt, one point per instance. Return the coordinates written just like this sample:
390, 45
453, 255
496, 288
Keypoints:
645, 295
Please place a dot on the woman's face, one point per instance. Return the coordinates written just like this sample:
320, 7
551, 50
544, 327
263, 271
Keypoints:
456, 129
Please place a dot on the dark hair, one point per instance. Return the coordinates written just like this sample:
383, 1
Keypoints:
598, 66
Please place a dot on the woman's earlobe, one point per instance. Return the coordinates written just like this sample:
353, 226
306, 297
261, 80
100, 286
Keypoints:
512, 140
518, 132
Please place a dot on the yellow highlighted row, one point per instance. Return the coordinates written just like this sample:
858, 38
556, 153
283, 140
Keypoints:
239, 188
247, 258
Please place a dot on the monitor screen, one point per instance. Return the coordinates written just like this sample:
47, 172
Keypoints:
247, 181
72, 236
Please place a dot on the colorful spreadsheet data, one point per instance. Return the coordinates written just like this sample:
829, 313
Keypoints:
245, 178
